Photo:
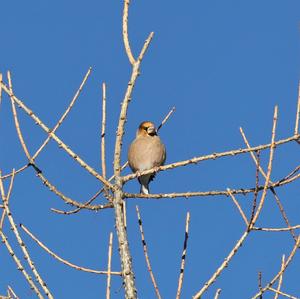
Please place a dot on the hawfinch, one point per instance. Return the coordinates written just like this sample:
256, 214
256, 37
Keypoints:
145, 152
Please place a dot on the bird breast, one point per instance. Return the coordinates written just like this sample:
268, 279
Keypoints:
146, 152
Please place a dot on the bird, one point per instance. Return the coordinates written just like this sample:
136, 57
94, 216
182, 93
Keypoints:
145, 152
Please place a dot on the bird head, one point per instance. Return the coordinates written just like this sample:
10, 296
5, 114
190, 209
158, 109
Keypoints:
146, 128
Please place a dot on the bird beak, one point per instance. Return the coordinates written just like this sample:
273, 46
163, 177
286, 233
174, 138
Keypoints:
151, 131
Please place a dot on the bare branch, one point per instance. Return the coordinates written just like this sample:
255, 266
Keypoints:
26, 230
209, 157
5, 197
256, 186
12, 293
63, 117
282, 270
280, 229
124, 107
58, 140
283, 213
39, 173
242, 191
263, 197
238, 206
256, 161
298, 112
86, 205
166, 118
125, 32
146, 253
20, 266
251, 224
1, 78
55, 127
283, 294
8, 175
218, 292
23, 246
223, 265
103, 151
103, 159
65, 198
109, 265
19, 132
125, 256
259, 282
183, 257
280, 277
42, 177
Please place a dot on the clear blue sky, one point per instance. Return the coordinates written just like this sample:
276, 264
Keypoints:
223, 64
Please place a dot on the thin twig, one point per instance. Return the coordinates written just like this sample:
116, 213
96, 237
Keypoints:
5, 197
238, 206
87, 204
256, 186
39, 174
288, 261
20, 266
256, 161
125, 213
12, 292
19, 132
56, 139
291, 173
8, 175
209, 157
282, 294
251, 224
283, 213
1, 78
125, 32
222, 266
108, 281
67, 199
23, 246
64, 115
166, 118
298, 112
242, 191
103, 156
279, 229
280, 277
146, 253
38, 171
183, 256
270, 164
26, 230
259, 282
218, 292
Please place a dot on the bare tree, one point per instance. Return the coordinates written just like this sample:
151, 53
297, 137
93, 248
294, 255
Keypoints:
112, 190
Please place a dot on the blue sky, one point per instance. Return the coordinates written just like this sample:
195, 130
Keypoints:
223, 64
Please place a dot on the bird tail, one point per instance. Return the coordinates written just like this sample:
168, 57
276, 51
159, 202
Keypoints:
144, 181
144, 189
